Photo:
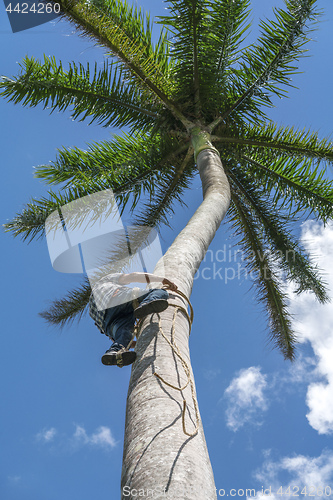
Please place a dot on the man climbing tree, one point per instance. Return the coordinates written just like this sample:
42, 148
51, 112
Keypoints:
119, 306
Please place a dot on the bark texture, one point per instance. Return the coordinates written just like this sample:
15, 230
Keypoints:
160, 461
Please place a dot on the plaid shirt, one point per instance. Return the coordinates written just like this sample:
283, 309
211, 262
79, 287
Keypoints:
101, 298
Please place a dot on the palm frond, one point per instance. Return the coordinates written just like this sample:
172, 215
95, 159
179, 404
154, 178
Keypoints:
69, 308
228, 25
30, 222
130, 166
102, 95
227, 28
266, 67
270, 292
204, 43
278, 139
296, 184
123, 31
125, 156
283, 247
190, 48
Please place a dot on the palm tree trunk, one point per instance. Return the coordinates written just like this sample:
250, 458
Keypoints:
160, 460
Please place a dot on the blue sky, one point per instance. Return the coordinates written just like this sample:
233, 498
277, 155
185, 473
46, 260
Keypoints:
267, 422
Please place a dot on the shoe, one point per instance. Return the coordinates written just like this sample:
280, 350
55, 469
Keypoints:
117, 355
154, 306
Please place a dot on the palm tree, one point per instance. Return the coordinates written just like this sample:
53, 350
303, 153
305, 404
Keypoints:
193, 102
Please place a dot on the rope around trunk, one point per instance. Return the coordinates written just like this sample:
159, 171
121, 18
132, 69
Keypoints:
176, 350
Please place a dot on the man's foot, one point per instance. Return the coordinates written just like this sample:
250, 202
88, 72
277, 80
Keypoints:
117, 355
154, 306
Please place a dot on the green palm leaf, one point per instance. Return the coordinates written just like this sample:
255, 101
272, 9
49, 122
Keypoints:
69, 308
295, 183
187, 21
285, 140
269, 289
267, 67
204, 43
281, 245
290, 164
227, 28
131, 166
98, 95
125, 158
121, 30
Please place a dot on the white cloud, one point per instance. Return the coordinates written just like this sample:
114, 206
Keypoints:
14, 479
245, 398
211, 374
301, 371
46, 435
80, 434
101, 437
314, 323
296, 473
